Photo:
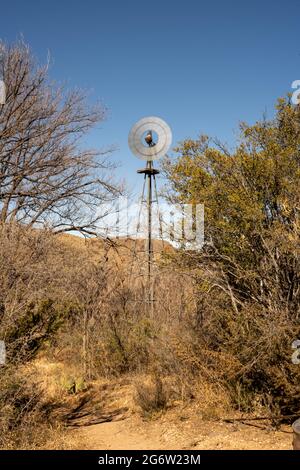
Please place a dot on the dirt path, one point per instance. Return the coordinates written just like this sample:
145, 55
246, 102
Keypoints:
106, 416
190, 433
120, 426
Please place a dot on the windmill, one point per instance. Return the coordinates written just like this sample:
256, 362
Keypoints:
149, 139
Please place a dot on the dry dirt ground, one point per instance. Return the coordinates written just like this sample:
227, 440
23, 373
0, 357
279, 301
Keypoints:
106, 417
178, 428
191, 433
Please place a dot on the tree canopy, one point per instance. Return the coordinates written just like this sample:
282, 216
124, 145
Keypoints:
248, 272
47, 176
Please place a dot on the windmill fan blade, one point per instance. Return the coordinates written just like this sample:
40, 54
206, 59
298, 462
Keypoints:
144, 147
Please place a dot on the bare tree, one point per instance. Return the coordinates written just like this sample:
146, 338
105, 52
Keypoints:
46, 176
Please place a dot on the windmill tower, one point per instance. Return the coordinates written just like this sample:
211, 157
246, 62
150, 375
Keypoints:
149, 139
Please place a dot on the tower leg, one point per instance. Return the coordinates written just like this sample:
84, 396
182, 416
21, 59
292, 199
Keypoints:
149, 249
149, 173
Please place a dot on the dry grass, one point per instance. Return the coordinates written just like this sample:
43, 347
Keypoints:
172, 420
151, 396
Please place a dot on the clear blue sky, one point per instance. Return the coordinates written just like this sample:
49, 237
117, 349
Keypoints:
201, 65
